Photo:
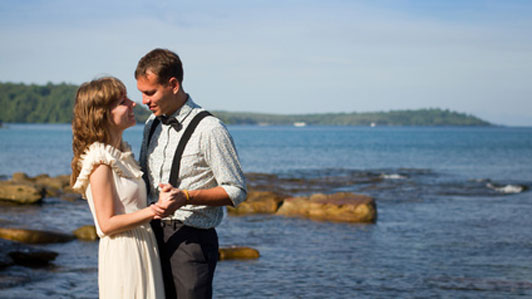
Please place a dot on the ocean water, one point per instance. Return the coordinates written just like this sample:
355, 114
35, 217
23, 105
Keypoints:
453, 214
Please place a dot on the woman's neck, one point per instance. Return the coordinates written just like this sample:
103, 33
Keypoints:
116, 140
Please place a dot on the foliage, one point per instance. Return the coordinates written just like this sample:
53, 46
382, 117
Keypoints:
52, 103
421, 117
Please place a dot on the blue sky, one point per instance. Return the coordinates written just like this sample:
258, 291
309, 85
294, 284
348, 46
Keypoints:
290, 56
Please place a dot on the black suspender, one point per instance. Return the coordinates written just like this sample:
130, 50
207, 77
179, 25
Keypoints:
174, 173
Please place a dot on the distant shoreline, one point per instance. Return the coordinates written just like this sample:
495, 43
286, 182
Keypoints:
52, 103
7, 125
419, 117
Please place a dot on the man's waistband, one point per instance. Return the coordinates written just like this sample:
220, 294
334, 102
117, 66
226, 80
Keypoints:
174, 223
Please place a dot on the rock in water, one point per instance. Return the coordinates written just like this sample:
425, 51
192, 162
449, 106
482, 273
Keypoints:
232, 253
17, 253
33, 257
258, 202
341, 207
5, 247
20, 193
295, 207
33, 236
52, 186
21, 177
86, 233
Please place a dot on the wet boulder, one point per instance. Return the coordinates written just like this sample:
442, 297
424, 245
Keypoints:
21, 193
17, 253
258, 202
33, 236
21, 177
338, 207
53, 186
295, 207
5, 260
32, 257
65, 182
5, 248
86, 233
232, 253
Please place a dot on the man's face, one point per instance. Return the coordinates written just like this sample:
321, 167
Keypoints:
156, 96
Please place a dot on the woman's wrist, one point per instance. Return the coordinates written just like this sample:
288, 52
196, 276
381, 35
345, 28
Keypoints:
151, 211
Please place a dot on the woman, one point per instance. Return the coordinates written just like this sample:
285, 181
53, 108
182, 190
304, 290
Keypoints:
106, 173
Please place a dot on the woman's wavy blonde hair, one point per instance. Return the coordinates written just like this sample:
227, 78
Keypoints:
91, 116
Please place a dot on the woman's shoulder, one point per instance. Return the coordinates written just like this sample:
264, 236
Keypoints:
98, 153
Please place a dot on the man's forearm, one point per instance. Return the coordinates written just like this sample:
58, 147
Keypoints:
214, 197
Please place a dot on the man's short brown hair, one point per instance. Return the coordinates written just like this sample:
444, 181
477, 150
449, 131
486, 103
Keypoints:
163, 63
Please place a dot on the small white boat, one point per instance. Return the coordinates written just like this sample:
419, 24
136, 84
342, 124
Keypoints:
300, 124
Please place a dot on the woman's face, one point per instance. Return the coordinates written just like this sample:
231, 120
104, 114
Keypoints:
122, 116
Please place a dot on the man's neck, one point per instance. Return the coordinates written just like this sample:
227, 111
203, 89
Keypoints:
181, 99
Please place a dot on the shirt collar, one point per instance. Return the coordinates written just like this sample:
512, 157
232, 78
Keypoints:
182, 113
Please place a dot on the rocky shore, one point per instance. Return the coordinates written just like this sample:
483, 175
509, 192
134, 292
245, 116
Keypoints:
337, 207
268, 194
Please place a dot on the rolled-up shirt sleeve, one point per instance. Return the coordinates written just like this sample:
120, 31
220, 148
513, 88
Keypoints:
221, 155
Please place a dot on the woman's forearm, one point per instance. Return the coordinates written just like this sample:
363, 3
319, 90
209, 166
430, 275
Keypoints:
122, 222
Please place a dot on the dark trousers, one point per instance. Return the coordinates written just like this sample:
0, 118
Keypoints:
188, 258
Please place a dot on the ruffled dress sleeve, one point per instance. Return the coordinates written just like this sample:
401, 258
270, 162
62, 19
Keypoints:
123, 163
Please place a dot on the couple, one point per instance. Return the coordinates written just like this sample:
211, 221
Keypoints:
155, 221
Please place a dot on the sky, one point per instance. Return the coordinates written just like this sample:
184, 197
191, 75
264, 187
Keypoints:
289, 57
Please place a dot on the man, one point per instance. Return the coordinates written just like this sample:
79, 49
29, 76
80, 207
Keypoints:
209, 176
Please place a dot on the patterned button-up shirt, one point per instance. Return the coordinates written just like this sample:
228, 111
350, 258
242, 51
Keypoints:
209, 160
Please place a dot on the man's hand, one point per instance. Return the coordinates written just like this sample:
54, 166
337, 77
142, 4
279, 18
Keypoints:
170, 199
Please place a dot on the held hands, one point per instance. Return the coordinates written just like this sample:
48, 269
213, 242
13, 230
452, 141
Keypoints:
170, 199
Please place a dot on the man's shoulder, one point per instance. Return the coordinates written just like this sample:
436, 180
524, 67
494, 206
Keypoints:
150, 119
211, 127
148, 124
211, 122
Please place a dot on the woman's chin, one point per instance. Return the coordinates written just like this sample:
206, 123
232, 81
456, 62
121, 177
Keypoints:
132, 123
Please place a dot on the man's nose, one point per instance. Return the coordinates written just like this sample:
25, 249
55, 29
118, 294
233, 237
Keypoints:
145, 100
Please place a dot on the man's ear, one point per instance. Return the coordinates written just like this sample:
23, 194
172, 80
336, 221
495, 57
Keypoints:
174, 84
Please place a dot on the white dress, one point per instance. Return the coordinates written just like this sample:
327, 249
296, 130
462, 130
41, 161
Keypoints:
128, 262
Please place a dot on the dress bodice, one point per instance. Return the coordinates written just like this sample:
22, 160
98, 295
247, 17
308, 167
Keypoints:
127, 178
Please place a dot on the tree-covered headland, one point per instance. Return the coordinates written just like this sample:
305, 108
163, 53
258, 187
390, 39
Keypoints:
52, 103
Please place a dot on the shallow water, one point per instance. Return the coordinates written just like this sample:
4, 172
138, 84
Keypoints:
442, 231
